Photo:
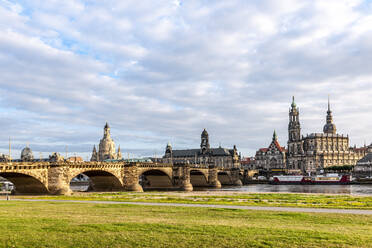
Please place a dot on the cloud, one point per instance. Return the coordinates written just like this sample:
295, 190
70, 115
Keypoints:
162, 71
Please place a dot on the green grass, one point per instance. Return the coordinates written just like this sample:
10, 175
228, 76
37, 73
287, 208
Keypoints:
253, 199
50, 224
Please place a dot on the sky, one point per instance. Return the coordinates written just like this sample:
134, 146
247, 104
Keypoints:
162, 71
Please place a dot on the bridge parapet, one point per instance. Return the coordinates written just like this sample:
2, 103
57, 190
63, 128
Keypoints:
152, 165
23, 163
23, 166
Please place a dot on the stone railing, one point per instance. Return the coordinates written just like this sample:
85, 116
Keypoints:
24, 166
152, 165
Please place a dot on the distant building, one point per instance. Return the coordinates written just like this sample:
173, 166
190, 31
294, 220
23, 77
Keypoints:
318, 150
56, 157
272, 157
221, 157
248, 163
106, 148
4, 158
75, 159
363, 168
27, 155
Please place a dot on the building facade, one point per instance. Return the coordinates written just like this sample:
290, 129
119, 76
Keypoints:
318, 150
272, 157
106, 148
221, 157
363, 168
248, 163
27, 155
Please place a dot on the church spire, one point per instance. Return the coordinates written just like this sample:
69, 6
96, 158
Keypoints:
94, 154
329, 105
329, 127
293, 105
275, 137
119, 156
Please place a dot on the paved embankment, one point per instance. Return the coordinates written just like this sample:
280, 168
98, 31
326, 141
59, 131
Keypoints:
282, 209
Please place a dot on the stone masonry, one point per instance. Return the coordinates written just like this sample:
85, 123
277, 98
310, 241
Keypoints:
55, 177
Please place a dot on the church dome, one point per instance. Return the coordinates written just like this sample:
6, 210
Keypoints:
26, 154
329, 128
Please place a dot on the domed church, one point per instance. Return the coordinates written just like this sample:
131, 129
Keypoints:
317, 151
27, 155
106, 148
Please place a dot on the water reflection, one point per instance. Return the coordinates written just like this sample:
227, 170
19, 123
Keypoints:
79, 187
265, 188
316, 189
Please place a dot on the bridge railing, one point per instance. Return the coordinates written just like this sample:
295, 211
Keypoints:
95, 164
23, 166
150, 164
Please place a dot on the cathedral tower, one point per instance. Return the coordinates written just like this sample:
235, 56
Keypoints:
295, 147
294, 127
329, 127
168, 151
204, 145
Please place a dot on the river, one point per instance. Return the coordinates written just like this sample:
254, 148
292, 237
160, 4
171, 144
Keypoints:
354, 189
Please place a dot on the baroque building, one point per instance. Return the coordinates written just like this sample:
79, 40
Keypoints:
273, 157
220, 157
27, 155
106, 148
317, 151
363, 168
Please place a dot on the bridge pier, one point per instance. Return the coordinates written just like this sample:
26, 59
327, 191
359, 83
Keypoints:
236, 177
238, 182
213, 178
185, 179
131, 178
136, 187
58, 183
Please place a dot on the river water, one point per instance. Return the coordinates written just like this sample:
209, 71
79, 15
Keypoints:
355, 189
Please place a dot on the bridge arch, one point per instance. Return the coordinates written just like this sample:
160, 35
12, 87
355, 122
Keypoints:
225, 178
198, 178
99, 179
153, 178
26, 183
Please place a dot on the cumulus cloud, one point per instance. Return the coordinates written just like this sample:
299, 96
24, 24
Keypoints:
162, 71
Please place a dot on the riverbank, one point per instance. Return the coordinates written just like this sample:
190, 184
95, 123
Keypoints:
56, 224
225, 198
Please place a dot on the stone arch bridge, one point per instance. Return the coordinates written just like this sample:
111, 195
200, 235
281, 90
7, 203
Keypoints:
55, 177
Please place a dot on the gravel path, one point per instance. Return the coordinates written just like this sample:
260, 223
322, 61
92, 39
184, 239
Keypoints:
282, 209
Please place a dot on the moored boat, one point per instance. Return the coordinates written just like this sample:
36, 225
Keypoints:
319, 179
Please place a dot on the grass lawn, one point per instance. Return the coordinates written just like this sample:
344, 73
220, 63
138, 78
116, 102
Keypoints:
50, 224
229, 198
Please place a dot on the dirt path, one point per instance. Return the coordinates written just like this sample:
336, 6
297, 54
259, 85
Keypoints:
282, 209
